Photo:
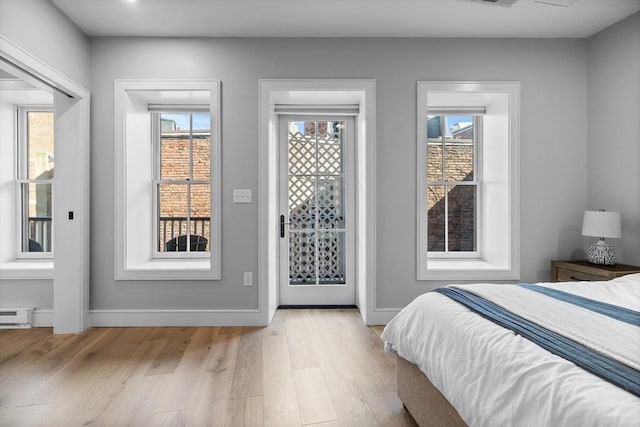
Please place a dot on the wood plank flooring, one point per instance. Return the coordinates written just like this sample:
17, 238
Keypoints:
315, 368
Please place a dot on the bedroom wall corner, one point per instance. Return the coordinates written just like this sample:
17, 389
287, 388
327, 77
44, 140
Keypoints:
614, 130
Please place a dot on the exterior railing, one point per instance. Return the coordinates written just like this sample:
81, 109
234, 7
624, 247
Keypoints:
40, 233
170, 227
173, 226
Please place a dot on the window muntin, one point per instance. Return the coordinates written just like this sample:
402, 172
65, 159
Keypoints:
453, 185
182, 184
34, 181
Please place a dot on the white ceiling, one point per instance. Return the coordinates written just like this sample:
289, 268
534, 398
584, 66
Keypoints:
343, 18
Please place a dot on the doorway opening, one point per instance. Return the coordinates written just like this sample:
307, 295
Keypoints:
62, 202
326, 253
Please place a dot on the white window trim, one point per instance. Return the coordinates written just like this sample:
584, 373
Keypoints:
12, 265
149, 268
22, 178
499, 231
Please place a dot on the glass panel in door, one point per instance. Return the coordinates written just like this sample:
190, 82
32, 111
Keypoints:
316, 207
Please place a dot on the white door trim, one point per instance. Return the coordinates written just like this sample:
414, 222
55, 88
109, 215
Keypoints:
71, 188
304, 92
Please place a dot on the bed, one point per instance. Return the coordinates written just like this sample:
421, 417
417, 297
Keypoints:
457, 367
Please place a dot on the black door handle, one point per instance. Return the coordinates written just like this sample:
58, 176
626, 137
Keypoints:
282, 226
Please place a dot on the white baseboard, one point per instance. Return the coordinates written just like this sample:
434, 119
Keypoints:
42, 318
124, 318
382, 316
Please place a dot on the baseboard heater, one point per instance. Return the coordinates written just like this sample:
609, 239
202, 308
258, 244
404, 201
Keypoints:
16, 318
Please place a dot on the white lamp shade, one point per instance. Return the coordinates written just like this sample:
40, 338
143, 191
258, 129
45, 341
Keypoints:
601, 224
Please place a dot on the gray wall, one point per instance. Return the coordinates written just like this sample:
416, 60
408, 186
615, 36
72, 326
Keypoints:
576, 95
39, 27
553, 74
614, 130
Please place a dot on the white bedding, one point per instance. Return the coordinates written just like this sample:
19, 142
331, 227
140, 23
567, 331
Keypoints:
494, 377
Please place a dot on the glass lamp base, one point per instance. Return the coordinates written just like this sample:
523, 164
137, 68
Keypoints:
602, 254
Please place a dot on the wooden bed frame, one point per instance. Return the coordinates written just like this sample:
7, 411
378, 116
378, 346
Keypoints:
423, 401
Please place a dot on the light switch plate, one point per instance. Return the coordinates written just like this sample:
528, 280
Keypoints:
241, 196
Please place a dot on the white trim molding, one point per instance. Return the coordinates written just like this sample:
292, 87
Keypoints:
129, 318
499, 226
382, 316
134, 211
42, 318
321, 92
71, 186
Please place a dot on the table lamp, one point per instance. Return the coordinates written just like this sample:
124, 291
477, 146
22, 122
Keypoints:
601, 224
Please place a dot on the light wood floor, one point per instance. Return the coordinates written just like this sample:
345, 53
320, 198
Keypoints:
310, 367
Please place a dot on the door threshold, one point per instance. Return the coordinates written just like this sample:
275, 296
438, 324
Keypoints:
315, 307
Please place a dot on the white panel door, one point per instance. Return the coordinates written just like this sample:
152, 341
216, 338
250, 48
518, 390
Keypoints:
317, 249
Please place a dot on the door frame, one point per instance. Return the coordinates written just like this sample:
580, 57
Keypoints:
296, 92
71, 188
347, 294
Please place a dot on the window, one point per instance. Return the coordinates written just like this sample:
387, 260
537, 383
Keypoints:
167, 180
468, 200
453, 186
182, 183
35, 173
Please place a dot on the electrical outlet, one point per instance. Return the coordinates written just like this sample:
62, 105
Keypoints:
248, 278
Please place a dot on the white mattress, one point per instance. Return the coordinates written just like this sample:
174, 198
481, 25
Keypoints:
494, 377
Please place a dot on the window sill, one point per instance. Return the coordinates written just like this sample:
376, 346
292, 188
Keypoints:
27, 269
467, 269
169, 269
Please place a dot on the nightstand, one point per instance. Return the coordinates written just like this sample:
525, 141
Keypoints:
573, 271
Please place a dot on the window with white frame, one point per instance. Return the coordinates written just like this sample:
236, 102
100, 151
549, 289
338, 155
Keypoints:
34, 181
167, 180
468, 201
453, 183
182, 183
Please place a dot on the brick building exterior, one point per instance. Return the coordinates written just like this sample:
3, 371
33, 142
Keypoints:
175, 164
458, 164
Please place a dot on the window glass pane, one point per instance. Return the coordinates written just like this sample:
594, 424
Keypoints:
40, 144
331, 202
434, 128
200, 229
434, 148
434, 162
436, 217
174, 146
462, 218
201, 146
172, 201
302, 148
331, 269
459, 149
37, 207
302, 258
330, 147
302, 202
